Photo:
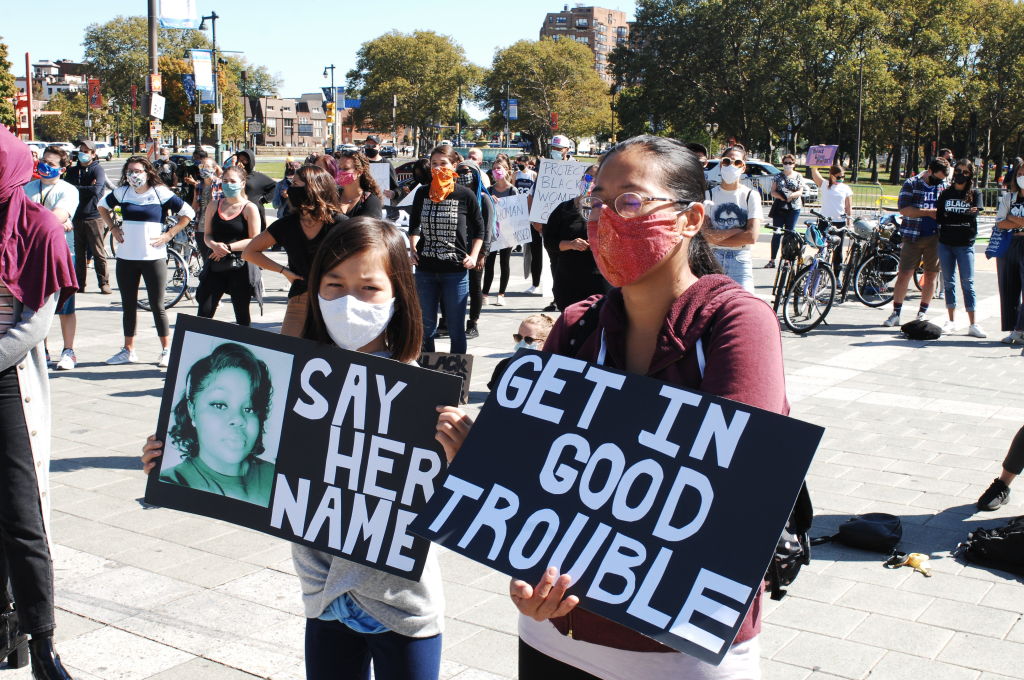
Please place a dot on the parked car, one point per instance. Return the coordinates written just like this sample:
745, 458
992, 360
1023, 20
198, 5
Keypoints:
760, 176
38, 147
388, 151
67, 146
104, 151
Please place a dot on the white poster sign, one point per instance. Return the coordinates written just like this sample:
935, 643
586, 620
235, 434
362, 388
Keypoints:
557, 181
513, 222
382, 173
179, 14
156, 105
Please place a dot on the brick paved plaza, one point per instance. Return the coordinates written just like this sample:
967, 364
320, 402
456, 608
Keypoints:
914, 429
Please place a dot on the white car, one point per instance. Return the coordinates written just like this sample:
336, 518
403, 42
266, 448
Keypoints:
67, 146
104, 151
38, 147
760, 176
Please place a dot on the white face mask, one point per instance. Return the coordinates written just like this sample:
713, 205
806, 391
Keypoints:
730, 174
352, 323
555, 155
84, 158
136, 179
1020, 181
522, 344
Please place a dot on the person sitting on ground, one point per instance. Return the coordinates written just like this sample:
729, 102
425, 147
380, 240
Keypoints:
533, 331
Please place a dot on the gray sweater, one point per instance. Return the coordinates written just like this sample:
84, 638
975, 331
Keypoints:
410, 608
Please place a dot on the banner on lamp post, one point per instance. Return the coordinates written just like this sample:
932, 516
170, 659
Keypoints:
202, 69
95, 96
179, 14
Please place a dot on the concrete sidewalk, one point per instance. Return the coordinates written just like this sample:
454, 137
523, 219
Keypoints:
915, 429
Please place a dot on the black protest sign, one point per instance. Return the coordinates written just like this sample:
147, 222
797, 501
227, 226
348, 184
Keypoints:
460, 365
308, 442
663, 504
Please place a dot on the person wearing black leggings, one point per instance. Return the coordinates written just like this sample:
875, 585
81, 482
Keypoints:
230, 225
142, 253
998, 492
501, 188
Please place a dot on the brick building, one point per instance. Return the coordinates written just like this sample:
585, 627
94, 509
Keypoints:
598, 28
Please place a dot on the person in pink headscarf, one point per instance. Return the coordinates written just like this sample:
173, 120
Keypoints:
36, 275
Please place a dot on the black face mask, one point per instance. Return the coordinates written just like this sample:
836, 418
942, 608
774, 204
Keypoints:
959, 179
298, 196
370, 153
521, 166
465, 179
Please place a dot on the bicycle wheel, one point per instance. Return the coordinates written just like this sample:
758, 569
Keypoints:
875, 278
177, 282
809, 298
918, 273
194, 263
113, 244
781, 283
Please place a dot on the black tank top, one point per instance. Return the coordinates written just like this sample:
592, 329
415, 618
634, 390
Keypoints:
229, 231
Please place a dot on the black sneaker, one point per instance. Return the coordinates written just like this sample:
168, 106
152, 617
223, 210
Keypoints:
551, 308
471, 331
995, 496
770, 265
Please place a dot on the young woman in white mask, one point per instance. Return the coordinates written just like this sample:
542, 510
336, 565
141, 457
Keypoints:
363, 297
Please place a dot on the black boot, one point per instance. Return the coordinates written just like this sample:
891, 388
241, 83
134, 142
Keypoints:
13, 645
471, 330
46, 663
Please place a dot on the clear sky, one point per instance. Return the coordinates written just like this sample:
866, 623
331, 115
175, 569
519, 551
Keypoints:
292, 39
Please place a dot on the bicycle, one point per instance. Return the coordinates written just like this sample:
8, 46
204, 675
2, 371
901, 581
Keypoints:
874, 279
813, 291
184, 265
791, 252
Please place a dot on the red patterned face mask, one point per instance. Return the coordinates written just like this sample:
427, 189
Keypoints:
627, 248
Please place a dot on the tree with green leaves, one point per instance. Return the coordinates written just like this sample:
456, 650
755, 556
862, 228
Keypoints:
8, 91
69, 124
549, 77
423, 69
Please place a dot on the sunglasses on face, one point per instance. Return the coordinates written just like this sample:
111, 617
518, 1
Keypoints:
519, 338
726, 162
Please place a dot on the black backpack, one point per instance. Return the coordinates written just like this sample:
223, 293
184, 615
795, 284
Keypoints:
793, 550
874, 531
1001, 548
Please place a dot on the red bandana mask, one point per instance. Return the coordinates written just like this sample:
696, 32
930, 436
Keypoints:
627, 248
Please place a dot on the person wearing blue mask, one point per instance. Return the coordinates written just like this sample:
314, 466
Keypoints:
230, 225
533, 331
60, 198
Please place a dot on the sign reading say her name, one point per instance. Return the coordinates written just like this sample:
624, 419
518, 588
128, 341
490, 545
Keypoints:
557, 182
513, 219
317, 445
663, 504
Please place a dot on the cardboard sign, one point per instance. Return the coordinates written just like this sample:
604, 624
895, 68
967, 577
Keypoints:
557, 181
513, 222
822, 154
320, 446
382, 173
664, 504
460, 365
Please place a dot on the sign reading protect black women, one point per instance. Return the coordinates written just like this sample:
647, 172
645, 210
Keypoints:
664, 504
317, 445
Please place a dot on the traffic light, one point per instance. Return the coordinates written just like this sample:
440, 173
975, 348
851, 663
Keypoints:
330, 112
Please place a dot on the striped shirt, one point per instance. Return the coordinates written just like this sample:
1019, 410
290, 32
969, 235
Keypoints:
143, 219
6, 310
917, 193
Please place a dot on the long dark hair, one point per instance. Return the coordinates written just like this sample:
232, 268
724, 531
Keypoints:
366, 180
404, 334
969, 186
322, 193
683, 176
228, 355
152, 179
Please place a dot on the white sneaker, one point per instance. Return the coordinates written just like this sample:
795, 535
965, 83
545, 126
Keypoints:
535, 290
893, 320
948, 326
125, 356
67, 361
499, 301
922, 316
165, 358
975, 331
1014, 338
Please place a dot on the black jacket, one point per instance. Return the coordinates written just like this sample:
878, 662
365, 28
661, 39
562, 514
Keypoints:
91, 181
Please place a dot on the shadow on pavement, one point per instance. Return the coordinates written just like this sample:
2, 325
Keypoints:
87, 462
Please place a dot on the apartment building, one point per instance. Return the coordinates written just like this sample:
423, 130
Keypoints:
598, 28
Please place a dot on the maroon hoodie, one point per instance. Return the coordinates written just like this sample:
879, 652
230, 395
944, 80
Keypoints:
743, 353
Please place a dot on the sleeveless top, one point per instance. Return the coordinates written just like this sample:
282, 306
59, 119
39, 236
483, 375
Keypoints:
229, 231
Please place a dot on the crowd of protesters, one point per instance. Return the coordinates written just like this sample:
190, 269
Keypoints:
663, 260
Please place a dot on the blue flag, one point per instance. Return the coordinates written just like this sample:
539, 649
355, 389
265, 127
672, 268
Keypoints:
188, 81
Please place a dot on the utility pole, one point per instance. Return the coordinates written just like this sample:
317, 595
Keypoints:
218, 114
334, 98
154, 59
394, 119
860, 112
458, 117
28, 92
505, 111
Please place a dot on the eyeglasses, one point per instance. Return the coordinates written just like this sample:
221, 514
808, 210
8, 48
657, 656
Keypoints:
627, 205
726, 162
529, 340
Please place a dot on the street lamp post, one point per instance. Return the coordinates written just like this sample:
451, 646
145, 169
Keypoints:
116, 110
218, 114
334, 98
712, 130
860, 112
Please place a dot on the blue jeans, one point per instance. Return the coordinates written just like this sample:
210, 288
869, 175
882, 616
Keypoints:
737, 265
336, 652
962, 258
451, 292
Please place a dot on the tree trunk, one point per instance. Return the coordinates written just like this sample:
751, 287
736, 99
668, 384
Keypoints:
915, 153
873, 161
896, 165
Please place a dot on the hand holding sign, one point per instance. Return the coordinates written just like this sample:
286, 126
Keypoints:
822, 155
626, 486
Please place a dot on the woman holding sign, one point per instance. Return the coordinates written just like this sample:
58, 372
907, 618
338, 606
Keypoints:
365, 300
672, 316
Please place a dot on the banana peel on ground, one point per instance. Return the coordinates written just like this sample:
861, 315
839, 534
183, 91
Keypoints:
916, 561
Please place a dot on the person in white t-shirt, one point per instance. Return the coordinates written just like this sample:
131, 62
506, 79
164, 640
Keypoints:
734, 220
60, 198
836, 197
142, 254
